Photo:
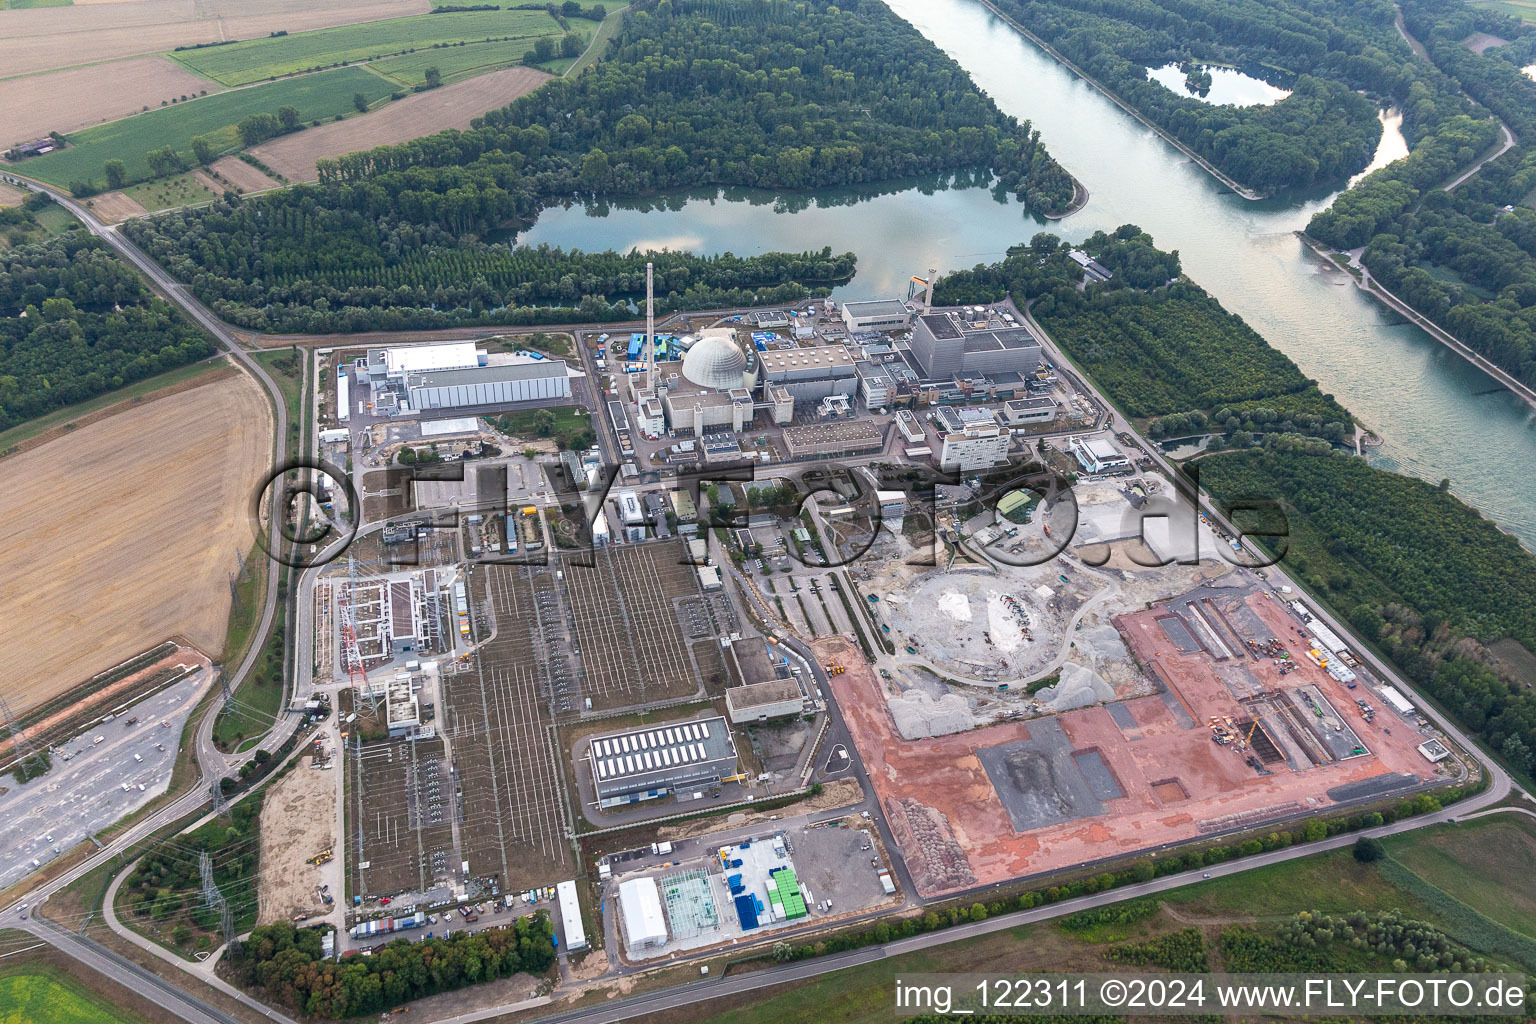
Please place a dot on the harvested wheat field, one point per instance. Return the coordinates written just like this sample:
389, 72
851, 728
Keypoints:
451, 106
298, 820
10, 195
231, 170
115, 207
66, 101
48, 38
123, 532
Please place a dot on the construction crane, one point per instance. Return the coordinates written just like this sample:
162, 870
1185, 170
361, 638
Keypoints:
1248, 739
1222, 728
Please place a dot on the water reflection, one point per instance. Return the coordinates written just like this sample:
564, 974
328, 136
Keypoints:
1218, 86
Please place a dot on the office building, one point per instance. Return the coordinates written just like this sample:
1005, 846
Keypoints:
980, 446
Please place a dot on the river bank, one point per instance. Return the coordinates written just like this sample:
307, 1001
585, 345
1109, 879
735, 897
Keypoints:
1370, 286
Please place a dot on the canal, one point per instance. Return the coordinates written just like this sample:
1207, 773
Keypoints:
1439, 416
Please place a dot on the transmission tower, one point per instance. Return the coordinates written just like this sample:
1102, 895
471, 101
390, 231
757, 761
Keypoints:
212, 897
229, 695
220, 805
349, 649
205, 872
20, 744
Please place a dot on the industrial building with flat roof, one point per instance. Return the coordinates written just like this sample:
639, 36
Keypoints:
649, 763
508, 384
1096, 455
839, 437
640, 910
400, 361
879, 315
1022, 411
945, 346
757, 702
571, 928
810, 373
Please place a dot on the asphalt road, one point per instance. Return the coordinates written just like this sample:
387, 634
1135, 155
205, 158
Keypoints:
215, 764
698, 991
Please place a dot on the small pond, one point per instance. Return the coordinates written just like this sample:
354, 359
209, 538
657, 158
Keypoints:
1228, 86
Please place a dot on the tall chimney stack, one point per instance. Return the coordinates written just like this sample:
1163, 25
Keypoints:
650, 330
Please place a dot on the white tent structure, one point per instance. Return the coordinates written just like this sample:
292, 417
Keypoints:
640, 907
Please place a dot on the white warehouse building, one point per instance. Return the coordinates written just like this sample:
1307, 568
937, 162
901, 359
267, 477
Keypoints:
640, 907
490, 385
570, 918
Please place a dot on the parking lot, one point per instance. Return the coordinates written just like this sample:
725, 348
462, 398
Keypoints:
93, 784
627, 625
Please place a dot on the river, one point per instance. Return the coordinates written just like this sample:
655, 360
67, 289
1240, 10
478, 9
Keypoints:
1439, 416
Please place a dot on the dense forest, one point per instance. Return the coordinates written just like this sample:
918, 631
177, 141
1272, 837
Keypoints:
1341, 62
1465, 258
1158, 345
285, 964
1432, 582
76, 322
691, 93
310, 268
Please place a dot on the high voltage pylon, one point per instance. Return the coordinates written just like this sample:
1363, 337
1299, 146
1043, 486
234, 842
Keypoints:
220, 805
25, 751
212, 897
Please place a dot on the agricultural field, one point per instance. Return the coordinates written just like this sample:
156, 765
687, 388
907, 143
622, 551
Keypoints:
70, 36
38, 995
317, 97
451, 106
253, 60
95, 588
180, 190
31, 106
1485, 863
231, 171
1523, 9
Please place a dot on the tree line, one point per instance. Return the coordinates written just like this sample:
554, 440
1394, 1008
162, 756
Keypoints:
306, 267
285, 964
76, 322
